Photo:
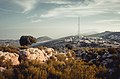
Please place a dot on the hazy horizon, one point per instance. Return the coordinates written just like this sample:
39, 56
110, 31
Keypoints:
57, 18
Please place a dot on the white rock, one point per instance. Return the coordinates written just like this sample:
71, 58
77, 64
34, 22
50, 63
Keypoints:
2, 69
49, 51
36, 54
12, 57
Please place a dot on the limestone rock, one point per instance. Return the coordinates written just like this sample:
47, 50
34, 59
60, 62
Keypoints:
36, 54
2, 69
7, 56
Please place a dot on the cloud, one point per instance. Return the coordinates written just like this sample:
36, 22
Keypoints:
81, 8
67, 8
35, 21
58, 2
109, 21
27, 5
33, 16
8, 11
72, 11
118, 12
65, 1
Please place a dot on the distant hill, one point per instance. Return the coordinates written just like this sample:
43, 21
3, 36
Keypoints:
89, 33
100, 34
7, 42
43, 38
114, 36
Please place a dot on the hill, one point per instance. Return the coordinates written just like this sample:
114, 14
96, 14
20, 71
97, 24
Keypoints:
9, 42
100, 34
113, 36
43, 38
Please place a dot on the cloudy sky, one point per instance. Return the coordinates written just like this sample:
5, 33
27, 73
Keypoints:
57, 18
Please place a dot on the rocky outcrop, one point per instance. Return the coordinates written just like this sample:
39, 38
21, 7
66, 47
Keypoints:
36, 54
29, 54
9, 57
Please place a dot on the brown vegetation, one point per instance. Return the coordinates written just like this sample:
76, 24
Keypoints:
69, 69
9, 49
60, 69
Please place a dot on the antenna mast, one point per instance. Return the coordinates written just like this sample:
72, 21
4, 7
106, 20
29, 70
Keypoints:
79, 27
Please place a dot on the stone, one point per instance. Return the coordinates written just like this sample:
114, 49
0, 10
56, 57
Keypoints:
2, 69
7, 56
36, 54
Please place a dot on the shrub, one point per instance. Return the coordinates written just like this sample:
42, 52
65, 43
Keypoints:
61, 69
9, 49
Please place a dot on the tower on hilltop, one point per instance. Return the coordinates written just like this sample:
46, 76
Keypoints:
78, 28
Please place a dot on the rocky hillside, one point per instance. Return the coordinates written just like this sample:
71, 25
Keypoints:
47, 63
59, 44
14, 43
113, 36
100, 34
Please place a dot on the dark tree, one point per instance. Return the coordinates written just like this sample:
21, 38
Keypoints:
69, 46
27, 40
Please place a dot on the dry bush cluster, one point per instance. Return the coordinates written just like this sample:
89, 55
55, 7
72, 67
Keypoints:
9, 49
69, 69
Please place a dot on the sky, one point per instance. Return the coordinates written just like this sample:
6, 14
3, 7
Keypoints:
57, 18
